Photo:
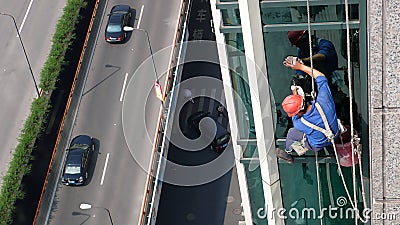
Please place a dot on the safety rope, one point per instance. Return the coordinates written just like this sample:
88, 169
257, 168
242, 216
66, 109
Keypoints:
319, 188
331, 139
352, 123
361, 179
310, 48
353, 169
313, 97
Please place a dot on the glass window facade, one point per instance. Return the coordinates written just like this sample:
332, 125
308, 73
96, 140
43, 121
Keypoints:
330, 17
300, 194
298, 180
239, 80
230, 17
256, 193
298, 14
277, 47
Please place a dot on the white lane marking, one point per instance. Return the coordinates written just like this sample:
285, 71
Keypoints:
26, 15
104, 170
140, 17
123, 88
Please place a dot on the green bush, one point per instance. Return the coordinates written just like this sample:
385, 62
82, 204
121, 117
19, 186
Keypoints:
35, 123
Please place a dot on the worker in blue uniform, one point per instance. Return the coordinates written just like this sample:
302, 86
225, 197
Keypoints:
324, 55
302, 137
325, 60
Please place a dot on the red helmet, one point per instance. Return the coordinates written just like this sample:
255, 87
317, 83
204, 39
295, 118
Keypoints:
295, 35
292, 104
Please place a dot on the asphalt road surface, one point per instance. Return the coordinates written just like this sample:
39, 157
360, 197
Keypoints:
119, 109
200, 186
36, 21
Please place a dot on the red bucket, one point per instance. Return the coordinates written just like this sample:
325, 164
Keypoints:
344, 154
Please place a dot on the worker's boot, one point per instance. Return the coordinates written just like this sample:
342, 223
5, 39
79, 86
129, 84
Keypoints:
282, 154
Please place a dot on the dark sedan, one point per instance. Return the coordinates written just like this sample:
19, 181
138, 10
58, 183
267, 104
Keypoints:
78, 160
222, 136
119, 17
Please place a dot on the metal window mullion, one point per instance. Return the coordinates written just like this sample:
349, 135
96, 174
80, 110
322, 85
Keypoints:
315, 26
247, 142
286, 3
227, 5
230, 29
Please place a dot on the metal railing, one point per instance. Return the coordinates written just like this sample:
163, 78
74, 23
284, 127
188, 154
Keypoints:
160, 150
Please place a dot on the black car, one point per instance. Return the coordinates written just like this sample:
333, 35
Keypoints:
79, 154
119, 17
222, 136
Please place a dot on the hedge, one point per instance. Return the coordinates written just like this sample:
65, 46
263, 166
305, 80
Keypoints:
35, 123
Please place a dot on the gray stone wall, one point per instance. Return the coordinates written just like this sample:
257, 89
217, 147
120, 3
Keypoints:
384, 108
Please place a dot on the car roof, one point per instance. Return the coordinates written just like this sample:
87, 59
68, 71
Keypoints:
75, 156
115, 18
77, 151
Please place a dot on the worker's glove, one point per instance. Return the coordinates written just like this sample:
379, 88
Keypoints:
292, 60
299, 90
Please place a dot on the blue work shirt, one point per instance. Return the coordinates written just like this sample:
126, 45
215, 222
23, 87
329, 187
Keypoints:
324, 47
325, 100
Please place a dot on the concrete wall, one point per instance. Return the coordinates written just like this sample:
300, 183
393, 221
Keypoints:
384, 101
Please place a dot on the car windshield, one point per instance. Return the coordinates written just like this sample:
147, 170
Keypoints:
72, 169
119, 12
114, 28
79, 146
223, 140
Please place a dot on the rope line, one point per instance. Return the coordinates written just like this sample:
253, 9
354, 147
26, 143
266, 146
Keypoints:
319, 188
331, 139
352, 123
353, 169
313, 97
310, 48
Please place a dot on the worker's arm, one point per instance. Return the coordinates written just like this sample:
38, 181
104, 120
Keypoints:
300, 66
319, 57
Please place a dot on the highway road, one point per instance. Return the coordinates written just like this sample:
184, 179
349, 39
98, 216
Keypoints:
119, 109
36, 21
200, 186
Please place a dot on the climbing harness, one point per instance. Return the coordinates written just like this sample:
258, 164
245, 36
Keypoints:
329, 134
327, 131
330, 137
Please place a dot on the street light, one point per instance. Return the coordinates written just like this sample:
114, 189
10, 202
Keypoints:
157, 86
23, 48
85, 206
127, 28
300, 220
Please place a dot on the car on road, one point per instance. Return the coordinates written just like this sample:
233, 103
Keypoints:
222, 136
78, 160
119, 17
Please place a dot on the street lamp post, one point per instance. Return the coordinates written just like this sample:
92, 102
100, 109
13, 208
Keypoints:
157, 86
127, 28
85, 206
23, 48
